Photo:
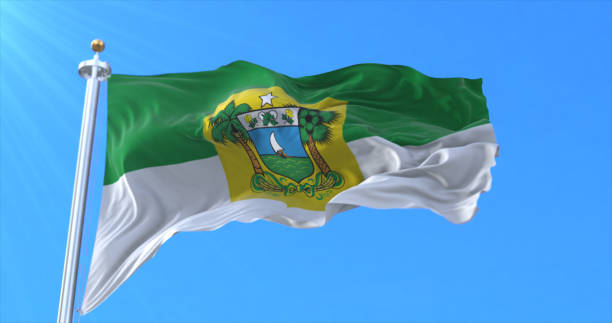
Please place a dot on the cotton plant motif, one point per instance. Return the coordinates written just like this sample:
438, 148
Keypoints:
251, 121
268, 118
288, 116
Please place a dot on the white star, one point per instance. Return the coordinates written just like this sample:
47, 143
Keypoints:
266, 99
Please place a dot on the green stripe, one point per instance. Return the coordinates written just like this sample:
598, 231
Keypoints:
157, 120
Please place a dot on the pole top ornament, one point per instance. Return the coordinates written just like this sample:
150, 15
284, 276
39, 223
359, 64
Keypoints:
102, 69
97, 45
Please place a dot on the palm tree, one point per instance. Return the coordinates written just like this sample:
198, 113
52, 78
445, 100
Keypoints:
314, 129
225, 125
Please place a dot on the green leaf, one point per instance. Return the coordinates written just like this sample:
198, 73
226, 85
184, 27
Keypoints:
327, 116
238, 127
243, 108
245, 134
229, 109
226, 130
320, 133
303, 135
230, 136
269, 118
221, 115
217, 134
225, 125
212, 121
309, 127
302, 114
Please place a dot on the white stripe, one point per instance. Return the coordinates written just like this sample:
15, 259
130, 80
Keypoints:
144, 208
446, 175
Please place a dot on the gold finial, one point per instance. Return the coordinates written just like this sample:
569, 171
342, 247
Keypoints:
97, 45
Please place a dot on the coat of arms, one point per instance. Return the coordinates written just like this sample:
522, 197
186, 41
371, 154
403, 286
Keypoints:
283, 143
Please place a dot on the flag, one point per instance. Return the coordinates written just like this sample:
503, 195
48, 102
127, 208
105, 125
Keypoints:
194, 151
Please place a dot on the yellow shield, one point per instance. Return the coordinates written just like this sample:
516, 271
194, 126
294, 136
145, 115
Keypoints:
272, 146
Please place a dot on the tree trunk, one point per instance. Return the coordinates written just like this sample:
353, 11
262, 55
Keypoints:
317, 157
252, 156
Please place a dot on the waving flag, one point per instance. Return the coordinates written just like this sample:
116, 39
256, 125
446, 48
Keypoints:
194, 151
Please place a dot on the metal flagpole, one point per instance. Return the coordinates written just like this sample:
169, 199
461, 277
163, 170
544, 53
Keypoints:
94, 71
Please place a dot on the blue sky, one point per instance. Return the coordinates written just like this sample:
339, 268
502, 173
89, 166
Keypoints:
539, 249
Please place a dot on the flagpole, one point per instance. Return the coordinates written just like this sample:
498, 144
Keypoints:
94, 71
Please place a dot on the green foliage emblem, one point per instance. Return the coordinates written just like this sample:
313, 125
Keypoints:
287, 148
